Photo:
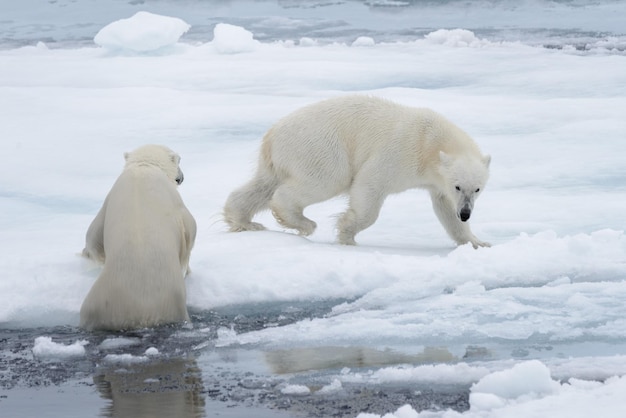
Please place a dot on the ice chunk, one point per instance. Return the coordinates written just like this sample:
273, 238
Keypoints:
124, 359
364, 41
45, 348
333, 386
231, 39
152, 351
529, 379
142, 32
115, 343
296, 390
455, 38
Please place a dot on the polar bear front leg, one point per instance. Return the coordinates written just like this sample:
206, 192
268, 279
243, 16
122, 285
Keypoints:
459, 231
94, 240
189, 237
366, 199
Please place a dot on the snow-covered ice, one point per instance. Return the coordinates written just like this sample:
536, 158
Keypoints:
535, 323
527, 390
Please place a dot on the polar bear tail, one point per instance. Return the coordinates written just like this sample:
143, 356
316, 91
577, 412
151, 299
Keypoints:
251, 198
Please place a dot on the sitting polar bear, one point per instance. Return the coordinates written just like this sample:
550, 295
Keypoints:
143, 234
368, 148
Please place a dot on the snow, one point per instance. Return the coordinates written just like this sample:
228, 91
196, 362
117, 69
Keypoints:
142, 32
543, 307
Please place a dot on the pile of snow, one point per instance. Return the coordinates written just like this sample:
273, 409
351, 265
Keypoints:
142, 32
46, 349
231, 39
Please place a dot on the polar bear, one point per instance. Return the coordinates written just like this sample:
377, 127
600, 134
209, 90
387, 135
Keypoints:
367, 148
143, 234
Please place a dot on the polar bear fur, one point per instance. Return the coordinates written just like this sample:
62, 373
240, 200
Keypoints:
143, 234
367, 148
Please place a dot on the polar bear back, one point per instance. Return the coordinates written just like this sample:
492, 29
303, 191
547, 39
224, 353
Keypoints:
350, 130
143, 234
149, 208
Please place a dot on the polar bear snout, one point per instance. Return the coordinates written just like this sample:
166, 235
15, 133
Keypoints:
180, 177
465, 213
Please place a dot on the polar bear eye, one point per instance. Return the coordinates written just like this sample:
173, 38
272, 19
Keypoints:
458, 189
477, 190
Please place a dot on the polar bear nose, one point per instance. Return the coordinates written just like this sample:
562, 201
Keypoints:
180, 177
465, 214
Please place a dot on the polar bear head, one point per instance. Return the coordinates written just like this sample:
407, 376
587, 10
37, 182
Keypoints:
465, 178
158, 156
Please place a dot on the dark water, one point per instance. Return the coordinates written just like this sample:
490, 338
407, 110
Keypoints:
191, 377
581, 24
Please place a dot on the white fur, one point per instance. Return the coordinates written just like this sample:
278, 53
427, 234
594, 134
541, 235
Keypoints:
143, 234
368, 148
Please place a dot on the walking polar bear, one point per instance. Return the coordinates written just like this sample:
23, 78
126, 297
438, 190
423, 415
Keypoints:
368, 148
144, 235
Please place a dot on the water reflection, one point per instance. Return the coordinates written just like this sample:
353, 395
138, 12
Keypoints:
171, 388
321, 358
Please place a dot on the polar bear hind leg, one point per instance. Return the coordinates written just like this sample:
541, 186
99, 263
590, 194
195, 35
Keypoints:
288, 204
246, 201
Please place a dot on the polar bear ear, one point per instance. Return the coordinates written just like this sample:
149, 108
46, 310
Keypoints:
445, 159
126, 155
487, 160
175, 158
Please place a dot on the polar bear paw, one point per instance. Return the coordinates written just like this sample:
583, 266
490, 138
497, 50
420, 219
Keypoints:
249, 226
293, 220
346, 240
478, 243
